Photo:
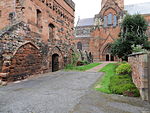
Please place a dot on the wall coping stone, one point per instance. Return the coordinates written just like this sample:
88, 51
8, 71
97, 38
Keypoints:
138, 53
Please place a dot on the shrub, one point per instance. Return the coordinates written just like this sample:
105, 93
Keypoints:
123, 85
81, 63
124, 69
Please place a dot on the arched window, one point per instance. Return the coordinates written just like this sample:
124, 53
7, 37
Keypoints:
51, 30
39, 18
105, 21
109, 19
79, 45
115, 21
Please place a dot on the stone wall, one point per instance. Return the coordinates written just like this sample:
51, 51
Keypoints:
26, 61
41, 24
140, 73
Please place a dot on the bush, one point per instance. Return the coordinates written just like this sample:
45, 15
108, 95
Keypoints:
81, 63
124, 69
123, 85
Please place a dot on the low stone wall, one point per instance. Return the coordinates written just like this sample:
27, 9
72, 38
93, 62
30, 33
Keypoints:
140, 73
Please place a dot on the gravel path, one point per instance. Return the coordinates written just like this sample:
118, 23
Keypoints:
55, 93
65, 92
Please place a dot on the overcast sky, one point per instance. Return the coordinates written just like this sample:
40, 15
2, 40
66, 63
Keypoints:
88, 8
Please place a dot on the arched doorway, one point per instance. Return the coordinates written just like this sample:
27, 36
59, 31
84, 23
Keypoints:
112, 58
55, 62
107, 57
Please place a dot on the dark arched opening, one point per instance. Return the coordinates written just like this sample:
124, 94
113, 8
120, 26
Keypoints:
55, 62
107, 57
79, 45
39, 18
112, 58
51, 30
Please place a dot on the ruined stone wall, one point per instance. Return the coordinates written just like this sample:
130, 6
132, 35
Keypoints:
26, 61
45, 25
140, 63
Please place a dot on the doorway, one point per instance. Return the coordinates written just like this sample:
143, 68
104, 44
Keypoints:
107, 57
112, 58
55, 62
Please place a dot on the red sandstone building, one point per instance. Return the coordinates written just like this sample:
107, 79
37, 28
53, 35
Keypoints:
35, 36
96, 34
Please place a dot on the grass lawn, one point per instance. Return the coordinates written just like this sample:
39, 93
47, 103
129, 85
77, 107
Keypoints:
103, 84
81, 68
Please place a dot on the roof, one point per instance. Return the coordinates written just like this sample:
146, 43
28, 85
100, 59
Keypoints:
142, 8
85, 22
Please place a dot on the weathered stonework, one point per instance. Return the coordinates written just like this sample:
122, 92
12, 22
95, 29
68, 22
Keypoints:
31, 32
104, 30
140, 63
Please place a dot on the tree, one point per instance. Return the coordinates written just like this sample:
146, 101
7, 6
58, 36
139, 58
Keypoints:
133, 32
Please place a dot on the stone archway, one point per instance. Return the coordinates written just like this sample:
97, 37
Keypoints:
55, 62
106, 53
56, 59
26, 61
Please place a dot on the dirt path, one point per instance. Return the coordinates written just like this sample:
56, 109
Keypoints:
97, 68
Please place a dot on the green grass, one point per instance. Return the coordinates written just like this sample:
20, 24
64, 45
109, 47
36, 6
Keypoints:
113, 83
81, 68
103, 84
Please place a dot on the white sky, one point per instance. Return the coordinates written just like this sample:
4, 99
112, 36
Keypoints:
88, 8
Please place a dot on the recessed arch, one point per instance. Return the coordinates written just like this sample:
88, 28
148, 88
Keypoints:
26, 61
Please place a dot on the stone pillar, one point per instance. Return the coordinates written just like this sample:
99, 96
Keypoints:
140, 63
149, 78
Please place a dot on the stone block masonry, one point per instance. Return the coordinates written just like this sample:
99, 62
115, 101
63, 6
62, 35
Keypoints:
141, 73
36, 36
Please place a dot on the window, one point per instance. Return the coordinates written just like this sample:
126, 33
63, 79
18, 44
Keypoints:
115, 21
0, 13
105, 21
51, 31
11, 16
39, 18
79, 45
109, 19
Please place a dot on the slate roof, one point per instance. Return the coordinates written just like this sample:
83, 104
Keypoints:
85, 22
142, 8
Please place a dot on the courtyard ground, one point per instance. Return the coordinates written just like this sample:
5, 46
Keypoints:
65, 92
